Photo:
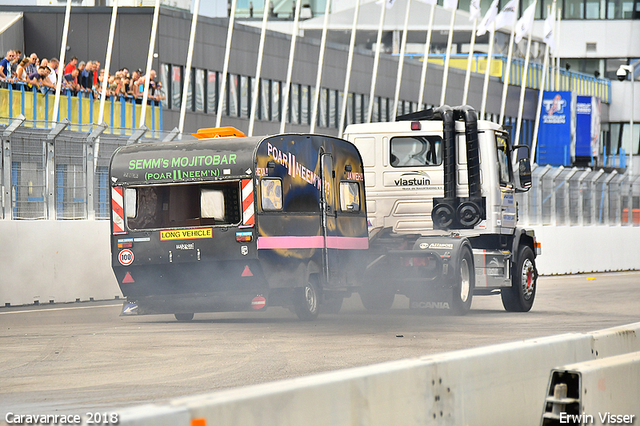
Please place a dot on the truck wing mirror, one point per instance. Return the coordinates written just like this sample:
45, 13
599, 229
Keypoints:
524, 174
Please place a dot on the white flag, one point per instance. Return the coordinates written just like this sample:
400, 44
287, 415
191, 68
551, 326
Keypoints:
388, 3
489, 17
507, 16
429, 1
474, 10
525, 23
548, 32
450, 4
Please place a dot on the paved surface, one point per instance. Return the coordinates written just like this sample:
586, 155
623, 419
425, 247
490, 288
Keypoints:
75, 358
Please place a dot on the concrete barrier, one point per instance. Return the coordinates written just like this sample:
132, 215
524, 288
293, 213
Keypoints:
501, 384
68, 260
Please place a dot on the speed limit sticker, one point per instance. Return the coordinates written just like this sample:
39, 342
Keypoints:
125, 257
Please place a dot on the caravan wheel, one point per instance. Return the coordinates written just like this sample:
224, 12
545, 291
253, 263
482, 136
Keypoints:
306, 301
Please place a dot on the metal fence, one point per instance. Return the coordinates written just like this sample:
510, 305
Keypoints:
580, 197
63, 174
57, 173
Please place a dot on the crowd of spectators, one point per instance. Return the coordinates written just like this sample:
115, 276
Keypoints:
78, 77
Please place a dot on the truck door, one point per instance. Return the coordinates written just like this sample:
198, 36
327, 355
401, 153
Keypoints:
507, 216
329, 216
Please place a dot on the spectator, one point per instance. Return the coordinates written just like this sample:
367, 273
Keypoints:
70, 81
33, 65
5, 65
86, 79
53, 67
96, 70
153, 88
40, 79
71, 66
135, 89
21, 72
17, 55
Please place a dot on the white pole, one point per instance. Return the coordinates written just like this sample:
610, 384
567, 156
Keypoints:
254, 100
545, 66
522, 91
225, 66
60, 70
152, 46
467, 77
107, 66
505, 85
376, 61
187, 77
557, 87
425, 59
347, 79
323, 43
292, 52
487, 71
403, 47
445, 76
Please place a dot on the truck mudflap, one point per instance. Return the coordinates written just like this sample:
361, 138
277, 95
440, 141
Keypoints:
450, 291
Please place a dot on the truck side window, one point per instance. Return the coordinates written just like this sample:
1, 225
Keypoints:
412, 151
271, 194
131, 202
504, 169
349, 197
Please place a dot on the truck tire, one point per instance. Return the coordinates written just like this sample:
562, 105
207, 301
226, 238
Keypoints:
520, 296
306, 301
465, 282
182, 317
377, 298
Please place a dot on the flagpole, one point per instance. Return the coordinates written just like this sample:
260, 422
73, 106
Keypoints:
558, 50
225, 66
396, 98
347, 79
323, 43
522, 90
425, 59
376, 62
60, 70
187, 76
256, 93
485, 87
505, 85
152, 46
545, 65
445, 75
292, 52
467, 77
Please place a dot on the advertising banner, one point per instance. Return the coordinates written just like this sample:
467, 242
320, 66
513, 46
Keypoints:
587, 126
554, 137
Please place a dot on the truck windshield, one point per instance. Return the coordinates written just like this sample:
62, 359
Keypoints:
179, 206
411, 151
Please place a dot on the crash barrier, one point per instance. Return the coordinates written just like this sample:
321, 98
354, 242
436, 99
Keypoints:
502, 384
81, 109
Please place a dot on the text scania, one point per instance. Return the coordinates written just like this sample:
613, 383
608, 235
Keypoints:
197, 161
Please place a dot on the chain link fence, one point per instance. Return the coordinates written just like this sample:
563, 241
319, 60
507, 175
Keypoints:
62, 172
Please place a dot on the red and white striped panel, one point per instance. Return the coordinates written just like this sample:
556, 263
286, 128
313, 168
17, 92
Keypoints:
248, 210
117, 214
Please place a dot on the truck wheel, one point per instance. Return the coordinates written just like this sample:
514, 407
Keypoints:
465, 282
520, 296
184, 317
306, 301
377, 298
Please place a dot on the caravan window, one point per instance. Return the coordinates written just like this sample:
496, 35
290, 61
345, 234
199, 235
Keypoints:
349, 197
412, 151
271, 194
130, 202
181, 206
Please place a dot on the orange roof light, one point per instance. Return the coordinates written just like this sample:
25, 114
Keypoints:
218, 132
